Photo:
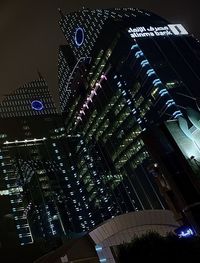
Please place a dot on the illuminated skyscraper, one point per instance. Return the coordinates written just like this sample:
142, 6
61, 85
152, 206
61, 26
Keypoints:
124, 71
31, 167
133, 69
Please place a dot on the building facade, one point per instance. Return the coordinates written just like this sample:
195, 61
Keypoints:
32, 166
123, 229
32, 99
133, 70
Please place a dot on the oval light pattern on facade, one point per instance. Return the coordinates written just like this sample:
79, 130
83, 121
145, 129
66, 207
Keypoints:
37, 105
79, 36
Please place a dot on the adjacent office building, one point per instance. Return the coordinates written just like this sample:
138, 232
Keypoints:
31, 99
19, 145
132, 70
38, 168
31, 166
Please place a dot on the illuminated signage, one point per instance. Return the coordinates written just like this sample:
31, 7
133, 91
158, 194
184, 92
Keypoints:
79, 36
37, 105
184, 232
152, 31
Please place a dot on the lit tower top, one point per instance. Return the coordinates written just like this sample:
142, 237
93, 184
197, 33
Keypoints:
31, 99
83, 28
92, 35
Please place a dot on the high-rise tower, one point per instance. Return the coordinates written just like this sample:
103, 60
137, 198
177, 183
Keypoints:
32, 168
133, 69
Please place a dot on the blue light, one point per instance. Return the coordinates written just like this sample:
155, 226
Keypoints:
157, 82
178, 115
134, 46
184, 232
169, 101
139, 54
37, 105
176, 112
144, 63
162, 90
79, 36
150, 72
98, 248
163, 93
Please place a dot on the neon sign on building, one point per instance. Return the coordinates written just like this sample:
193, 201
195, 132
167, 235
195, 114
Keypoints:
184, 232
151, 31
37, 105
79, 36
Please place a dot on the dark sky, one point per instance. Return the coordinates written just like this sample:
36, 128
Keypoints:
30, 34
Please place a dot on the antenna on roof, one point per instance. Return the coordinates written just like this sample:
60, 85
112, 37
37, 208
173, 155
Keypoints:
61, 13
39, 74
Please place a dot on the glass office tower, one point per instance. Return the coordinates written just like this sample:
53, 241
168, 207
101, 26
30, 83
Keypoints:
133, 69
32, 167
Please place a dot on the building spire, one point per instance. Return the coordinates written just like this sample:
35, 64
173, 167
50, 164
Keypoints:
61, 13
39, 74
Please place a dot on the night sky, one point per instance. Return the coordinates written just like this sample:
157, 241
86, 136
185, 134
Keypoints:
30, 35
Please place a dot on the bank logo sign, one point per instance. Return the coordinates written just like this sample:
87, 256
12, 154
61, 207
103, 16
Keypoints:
169, 30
